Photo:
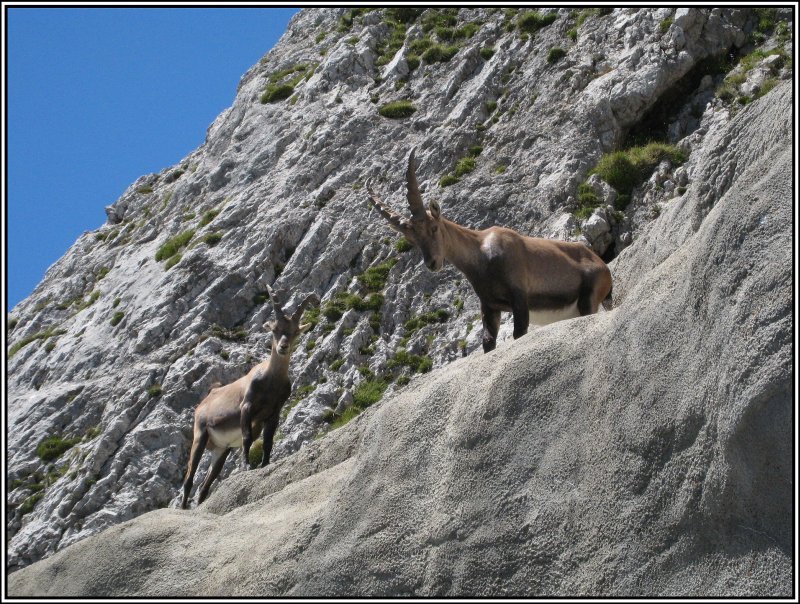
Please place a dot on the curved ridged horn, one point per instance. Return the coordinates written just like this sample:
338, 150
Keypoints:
414, 198
298, 313
395, 219
277, 306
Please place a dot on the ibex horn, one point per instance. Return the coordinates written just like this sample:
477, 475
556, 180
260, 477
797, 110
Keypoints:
393, 217
414, 198
277, 306
312, 297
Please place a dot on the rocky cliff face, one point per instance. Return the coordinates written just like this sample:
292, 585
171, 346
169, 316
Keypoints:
126, 333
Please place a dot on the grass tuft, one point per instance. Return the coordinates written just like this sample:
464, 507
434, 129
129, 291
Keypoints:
397, 109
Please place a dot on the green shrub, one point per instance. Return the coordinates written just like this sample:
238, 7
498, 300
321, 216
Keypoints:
172, 261
534, 21
117, 318
374, 278
468, 30
403, 245
368, 392
420, 45
26, 507
437, 316
336, 365
439, 53
665, 25
238, 334
397, 109
171, 246
404, 14
92, 433
624, 170
53, 447
464, 166
475, 151
419, 364
447, 180
154, 390
587, 201
555, 54
311, 315
277, 92
42, 335
487, 52
208, 217
766, 19
491, 106
212, 239
572, 34
445, 34
412, 61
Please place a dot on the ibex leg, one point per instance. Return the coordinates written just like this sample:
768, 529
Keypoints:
198, 446
491, 325
522, 316
218, 457
266, 437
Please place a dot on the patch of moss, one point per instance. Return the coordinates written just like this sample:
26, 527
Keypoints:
53, 447
42, 335
208, 217
403, 245
534, 21
212, 239
626, 169
237, 334
172, 261
172, 245
397, 109
419, 364
439, 53
464, 166
555, 54
374, 278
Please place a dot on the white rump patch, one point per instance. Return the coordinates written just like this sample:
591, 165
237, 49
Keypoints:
225, 438
545, 317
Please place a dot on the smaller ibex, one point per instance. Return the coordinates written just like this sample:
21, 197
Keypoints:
539, 280
229, 415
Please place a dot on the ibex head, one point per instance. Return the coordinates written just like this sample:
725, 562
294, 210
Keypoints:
423, 228
287, 328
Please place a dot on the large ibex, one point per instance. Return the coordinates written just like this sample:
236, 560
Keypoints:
229, 415
539, 280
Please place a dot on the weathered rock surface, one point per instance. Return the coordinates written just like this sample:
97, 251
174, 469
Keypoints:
645, 451
114, 349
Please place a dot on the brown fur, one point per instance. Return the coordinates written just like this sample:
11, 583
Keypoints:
246, 406
509, 271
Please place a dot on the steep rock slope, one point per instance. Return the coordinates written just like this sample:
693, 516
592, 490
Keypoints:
109, 355
642, 451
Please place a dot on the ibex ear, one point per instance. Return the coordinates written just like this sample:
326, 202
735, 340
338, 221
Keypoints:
271, 325
305, 327
434, 209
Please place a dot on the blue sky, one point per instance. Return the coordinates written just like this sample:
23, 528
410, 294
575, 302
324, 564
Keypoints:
97, 98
